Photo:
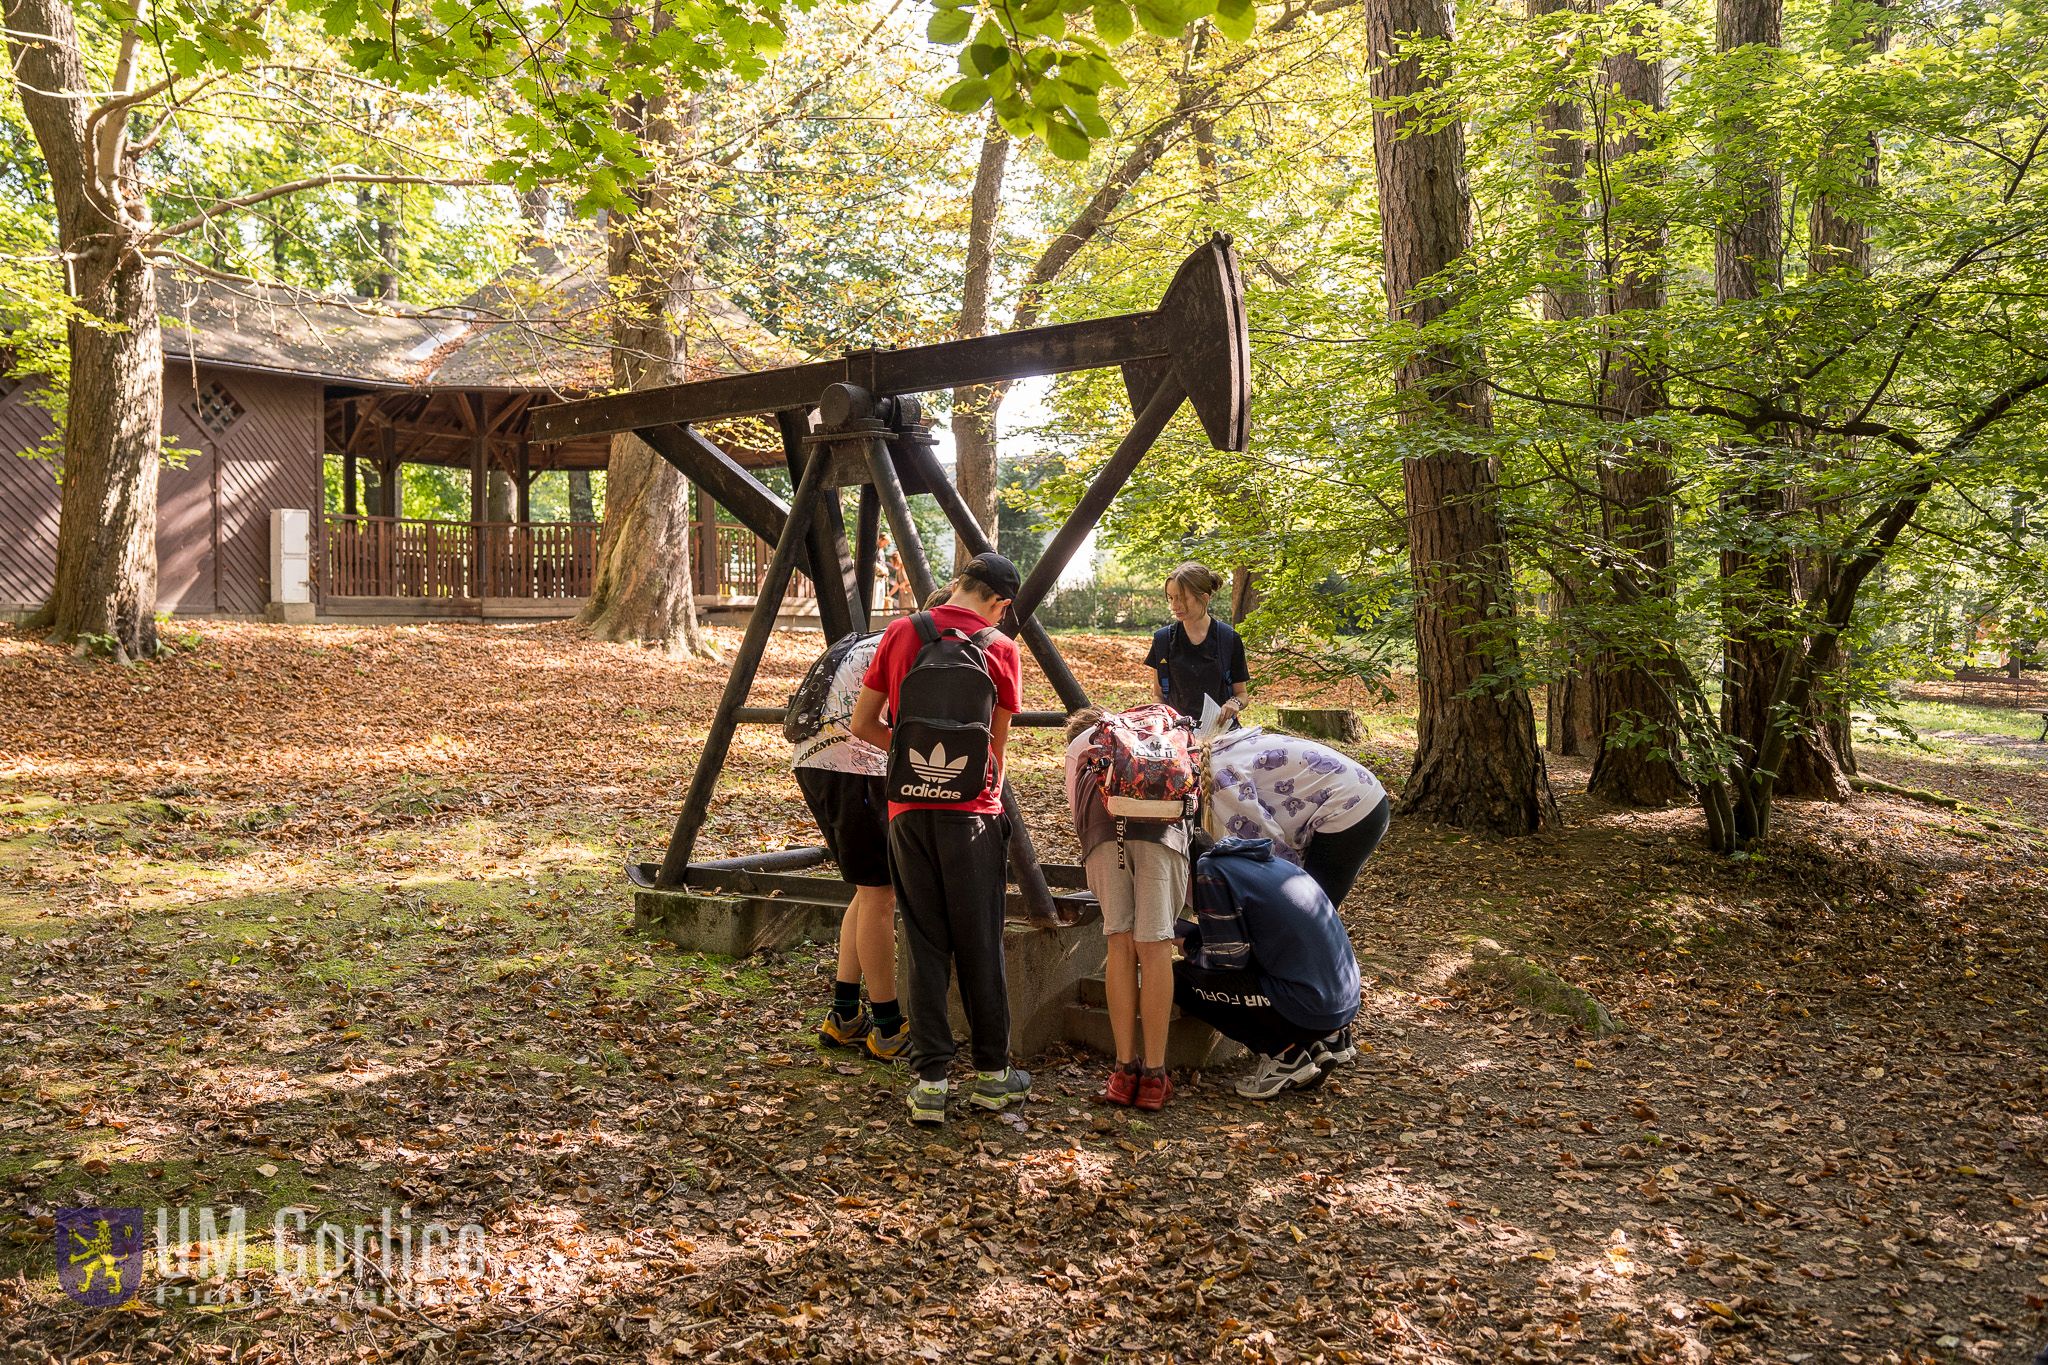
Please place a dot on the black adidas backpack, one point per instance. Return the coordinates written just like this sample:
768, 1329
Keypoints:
804, 718
939, 749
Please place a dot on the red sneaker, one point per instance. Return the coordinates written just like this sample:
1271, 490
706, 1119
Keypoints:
1121, 1087
1154, 1090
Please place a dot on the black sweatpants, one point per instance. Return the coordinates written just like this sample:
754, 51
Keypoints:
950, 870
1235, 1005
1334, 859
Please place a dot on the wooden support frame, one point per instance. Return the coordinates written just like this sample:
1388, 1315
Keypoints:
1193, 349
831, 564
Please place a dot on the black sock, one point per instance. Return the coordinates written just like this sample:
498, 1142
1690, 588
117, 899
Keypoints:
888, 1015
846, 998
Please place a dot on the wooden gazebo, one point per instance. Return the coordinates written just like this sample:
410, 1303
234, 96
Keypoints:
262, 385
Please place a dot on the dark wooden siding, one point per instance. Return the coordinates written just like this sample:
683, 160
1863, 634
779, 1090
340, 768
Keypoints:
184, 506
213, 515
28, 506
269, 457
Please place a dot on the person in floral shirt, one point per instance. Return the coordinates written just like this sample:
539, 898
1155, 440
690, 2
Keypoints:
1324, 811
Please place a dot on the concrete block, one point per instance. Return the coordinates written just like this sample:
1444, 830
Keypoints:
1043, 968
1190, 1043
734, 926
289, 613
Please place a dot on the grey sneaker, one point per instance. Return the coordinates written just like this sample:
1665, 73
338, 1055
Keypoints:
1334, 1050
999, 1089
928, 1101
1294, 1069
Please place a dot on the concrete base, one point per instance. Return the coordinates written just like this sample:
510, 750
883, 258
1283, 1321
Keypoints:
1044, 968
1191, 1045
290, 613
734, 926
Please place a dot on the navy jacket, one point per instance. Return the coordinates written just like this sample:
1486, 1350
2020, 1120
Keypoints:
1263, 915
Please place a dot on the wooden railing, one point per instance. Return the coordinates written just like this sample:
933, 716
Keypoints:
742, 564
397, 557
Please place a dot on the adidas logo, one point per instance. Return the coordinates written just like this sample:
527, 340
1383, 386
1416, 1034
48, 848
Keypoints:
935, 766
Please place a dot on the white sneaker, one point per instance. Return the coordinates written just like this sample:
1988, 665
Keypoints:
1275, 1074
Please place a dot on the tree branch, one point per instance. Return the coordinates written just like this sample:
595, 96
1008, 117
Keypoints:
311, 182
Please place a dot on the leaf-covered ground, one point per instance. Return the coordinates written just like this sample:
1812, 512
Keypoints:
326, 922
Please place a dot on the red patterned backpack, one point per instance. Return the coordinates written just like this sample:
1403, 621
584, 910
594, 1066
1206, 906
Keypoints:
1148, 769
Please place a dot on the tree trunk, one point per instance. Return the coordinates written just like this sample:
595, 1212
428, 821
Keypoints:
113, 435
1759, 582
498, 500
1839, 240
1477, 764
975, 409
581, 508
642, 587
1640, 743
1561, 146
1570, 727
1244, 594
1568, 719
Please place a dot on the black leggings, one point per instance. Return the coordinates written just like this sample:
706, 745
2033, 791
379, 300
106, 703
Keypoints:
1334, 859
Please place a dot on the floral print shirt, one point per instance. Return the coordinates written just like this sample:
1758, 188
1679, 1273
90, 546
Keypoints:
1266, 785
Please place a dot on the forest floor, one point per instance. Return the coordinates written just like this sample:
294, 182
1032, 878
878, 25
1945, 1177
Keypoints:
326, 925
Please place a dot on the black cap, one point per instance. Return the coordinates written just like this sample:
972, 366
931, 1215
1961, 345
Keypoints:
998, 573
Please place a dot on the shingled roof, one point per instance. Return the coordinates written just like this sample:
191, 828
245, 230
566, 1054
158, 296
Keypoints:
539, 328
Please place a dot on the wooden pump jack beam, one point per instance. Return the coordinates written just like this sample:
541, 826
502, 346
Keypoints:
870, 434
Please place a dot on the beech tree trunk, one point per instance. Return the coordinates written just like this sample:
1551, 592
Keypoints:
1570, 725
581, 506
1477, 763
1561, 146
975, 409
642, 589
113, 434
1637, 714
1748, 252
1839, 240
1568, 712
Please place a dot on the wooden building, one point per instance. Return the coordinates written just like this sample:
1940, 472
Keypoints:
262, 384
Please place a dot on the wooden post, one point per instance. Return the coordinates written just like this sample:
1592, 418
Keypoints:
867, 552
830, 572
705, 563
392, 498
522, 494
1072, 695
479, 475
675, 863
1030, 876
390, 495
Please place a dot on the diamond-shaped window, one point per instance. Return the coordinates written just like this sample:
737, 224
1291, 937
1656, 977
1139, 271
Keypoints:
217, 408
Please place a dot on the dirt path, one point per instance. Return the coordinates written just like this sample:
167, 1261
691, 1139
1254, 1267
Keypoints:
342, 962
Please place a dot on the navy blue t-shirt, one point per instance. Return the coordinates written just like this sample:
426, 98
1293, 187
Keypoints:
1300, 952
1189, 672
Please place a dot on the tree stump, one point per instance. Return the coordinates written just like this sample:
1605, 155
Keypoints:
1322, 723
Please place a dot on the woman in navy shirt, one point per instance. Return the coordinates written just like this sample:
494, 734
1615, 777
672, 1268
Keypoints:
1197, 657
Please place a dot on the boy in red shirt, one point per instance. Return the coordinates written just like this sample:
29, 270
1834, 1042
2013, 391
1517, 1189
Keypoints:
948, 849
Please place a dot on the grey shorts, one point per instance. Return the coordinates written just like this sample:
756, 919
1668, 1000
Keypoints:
1144, 897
